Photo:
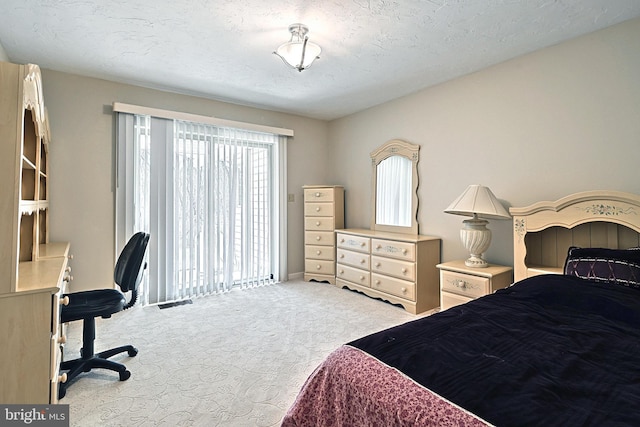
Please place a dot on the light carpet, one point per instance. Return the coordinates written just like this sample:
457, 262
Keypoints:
236, 359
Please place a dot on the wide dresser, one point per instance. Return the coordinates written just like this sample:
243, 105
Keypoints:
395, 267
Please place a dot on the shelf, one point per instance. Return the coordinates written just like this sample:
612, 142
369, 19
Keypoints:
540, 269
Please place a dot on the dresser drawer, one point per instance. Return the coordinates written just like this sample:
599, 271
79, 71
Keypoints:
319, 266
356, 259
355, 243
451, 300
319, 252
323, 238
318, 209
318, 194
319, 223
390, 248
464, 284
402, 269
398, 287
353, 275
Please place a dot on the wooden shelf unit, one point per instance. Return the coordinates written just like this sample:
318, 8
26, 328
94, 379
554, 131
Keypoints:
34, 272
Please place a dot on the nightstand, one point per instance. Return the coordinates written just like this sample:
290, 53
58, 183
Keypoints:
460, 284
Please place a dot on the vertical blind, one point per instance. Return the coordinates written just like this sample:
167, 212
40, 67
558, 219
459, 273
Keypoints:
210, 197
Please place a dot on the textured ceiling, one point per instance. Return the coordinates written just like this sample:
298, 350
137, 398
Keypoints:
373, 50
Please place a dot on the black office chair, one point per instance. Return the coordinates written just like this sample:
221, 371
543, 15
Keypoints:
88, 305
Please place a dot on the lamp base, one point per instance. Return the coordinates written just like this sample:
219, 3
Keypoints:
475, 261
476, 237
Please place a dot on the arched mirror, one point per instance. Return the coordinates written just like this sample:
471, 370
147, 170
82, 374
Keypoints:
395, 187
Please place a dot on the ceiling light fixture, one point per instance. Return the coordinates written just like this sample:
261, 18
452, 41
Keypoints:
299, 52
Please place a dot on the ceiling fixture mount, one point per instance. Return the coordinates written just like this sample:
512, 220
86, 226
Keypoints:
299, 52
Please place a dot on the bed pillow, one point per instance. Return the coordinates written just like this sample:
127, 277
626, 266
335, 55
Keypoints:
616, 266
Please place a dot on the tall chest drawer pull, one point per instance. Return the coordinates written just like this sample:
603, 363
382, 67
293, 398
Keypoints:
62, 378
64, 300
62, 339
318, 194
318, 223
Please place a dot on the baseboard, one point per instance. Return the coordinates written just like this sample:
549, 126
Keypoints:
296, 276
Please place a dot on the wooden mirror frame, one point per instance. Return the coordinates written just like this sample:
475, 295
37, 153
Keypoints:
396, 147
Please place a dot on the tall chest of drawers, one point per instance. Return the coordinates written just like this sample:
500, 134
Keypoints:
399, 268
323, 214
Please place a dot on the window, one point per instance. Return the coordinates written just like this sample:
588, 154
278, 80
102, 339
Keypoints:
210, 196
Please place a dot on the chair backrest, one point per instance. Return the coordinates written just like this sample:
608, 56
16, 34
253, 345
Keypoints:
131, 264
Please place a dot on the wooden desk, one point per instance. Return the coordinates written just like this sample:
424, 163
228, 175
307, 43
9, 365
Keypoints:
31, 332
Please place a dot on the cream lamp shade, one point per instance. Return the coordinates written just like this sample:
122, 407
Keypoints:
481, 204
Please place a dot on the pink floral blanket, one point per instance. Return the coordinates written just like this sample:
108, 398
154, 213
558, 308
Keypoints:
351, 388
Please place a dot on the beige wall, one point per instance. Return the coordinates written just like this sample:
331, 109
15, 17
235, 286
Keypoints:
82, 164
3, 54
551, 123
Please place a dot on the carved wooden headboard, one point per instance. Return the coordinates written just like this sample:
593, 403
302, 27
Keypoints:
544, 231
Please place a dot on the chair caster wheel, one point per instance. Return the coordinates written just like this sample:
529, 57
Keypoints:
125, 375
133, 352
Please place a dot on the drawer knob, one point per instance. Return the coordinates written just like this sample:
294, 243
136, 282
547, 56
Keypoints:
67, 279
64, 300
341, 240
318, 223
318, 209
379, 247
318, 267
68, 269
317, 194
62, 339
341, 271
404, 251
378, 264
318, 252
362, 261
361, 277
341, 256
70, 256
462, 284
317, 237
377, 283
404, 290
362, 244
404, 271
62, 378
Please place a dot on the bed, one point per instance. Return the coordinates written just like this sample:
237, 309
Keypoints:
558, 347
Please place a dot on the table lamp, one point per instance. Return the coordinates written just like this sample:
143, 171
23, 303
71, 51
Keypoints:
479, 203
